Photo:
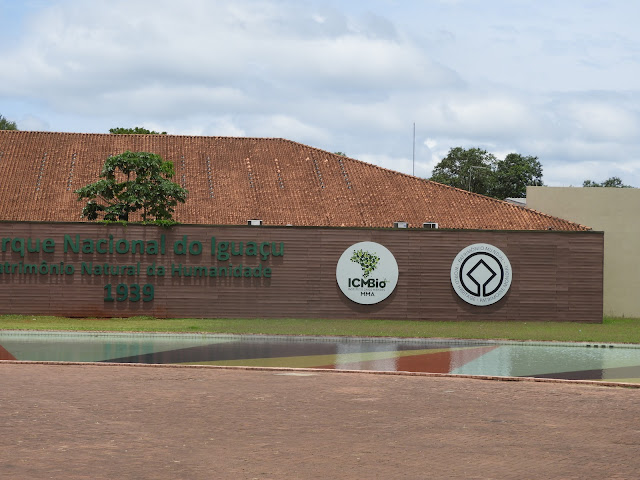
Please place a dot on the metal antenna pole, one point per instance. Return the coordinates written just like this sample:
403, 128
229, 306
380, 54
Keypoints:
414, 149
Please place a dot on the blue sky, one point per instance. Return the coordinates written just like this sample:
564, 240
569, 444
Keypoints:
557, 80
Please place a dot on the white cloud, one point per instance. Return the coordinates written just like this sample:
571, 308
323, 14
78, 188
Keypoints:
488, 115
601, 121
114, 45
284, 126
31, 122
399, 164
201, 126
554, 80
565, 174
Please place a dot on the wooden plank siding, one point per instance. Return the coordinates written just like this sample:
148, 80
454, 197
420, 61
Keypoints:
557, 276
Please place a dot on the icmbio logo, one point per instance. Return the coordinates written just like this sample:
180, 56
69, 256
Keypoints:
367, 273
368, 261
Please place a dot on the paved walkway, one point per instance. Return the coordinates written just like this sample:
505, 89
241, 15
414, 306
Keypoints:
132, 422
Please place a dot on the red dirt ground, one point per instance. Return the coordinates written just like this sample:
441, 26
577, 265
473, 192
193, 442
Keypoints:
133, 422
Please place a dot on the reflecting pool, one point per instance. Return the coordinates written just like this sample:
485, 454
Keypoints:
580, 361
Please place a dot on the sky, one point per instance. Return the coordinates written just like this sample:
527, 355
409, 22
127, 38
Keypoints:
559, 80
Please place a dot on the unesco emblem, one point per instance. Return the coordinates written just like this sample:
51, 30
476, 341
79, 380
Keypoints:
481, 274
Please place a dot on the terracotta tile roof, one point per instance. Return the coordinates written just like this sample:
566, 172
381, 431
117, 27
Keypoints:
231, 180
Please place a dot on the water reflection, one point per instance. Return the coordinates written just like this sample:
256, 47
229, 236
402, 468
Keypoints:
618, 363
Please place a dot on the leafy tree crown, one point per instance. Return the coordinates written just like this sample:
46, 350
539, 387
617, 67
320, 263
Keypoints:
514, 174
612, 182
134, 131
468, 169
479, 171
130, 182
6, 124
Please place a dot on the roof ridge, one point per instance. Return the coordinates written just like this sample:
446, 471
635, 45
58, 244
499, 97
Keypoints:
436, 198
395, 172
511, 205
438, 184
551, 216
140, 135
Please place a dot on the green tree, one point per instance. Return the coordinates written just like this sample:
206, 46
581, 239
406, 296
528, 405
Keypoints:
514, 174
478, 171
130, 182
342, 154
6, 124
615, 182
134, 131
469, 169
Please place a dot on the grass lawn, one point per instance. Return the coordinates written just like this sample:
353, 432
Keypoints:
612, 330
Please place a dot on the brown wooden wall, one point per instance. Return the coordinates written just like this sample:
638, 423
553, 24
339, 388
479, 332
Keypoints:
557, 276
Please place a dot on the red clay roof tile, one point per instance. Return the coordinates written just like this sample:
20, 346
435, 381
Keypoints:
231, 180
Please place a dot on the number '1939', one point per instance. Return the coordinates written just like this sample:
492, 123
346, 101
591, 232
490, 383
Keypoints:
133, 293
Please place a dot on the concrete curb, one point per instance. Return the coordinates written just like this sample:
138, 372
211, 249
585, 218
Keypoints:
318, 370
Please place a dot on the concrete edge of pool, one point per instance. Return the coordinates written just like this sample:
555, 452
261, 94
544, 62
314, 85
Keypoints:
316, 338
597, 383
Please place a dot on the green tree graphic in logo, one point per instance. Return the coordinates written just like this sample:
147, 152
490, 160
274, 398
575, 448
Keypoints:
367, 261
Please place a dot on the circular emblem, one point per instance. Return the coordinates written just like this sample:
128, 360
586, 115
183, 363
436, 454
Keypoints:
481, 274
367, 273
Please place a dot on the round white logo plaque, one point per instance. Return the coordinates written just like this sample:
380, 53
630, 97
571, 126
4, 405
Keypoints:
481, 274
367, 273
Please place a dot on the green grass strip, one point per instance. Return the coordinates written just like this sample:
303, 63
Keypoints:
612, 330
